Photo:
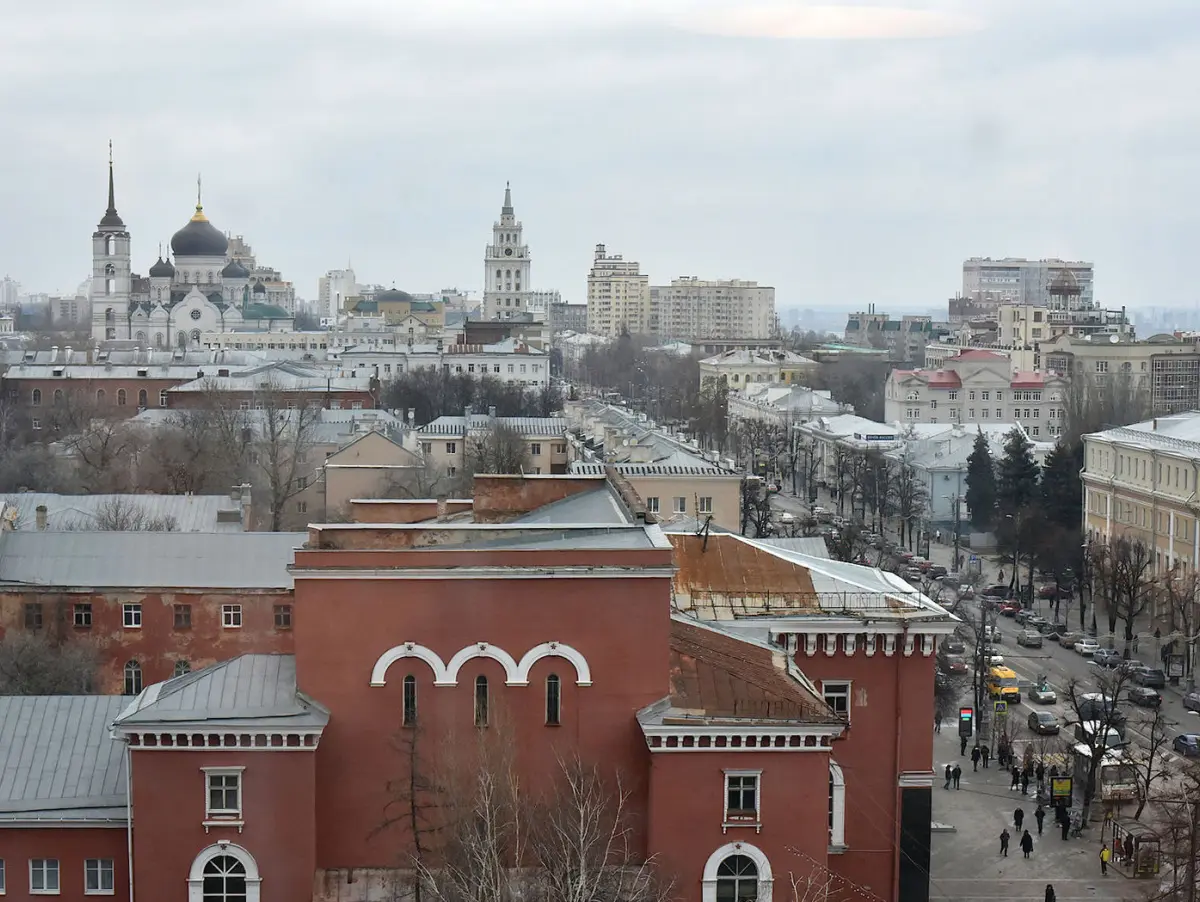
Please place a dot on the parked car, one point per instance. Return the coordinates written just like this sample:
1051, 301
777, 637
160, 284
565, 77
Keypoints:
1009, 608
1144, 697
966, 592
1153, 677
991, 634
1043, 723
1029, 638
1191, 701
950, 582
1036, 623
997, 592
1043, 694
1187, 745
953, 646
1054, 630
1024, 615
953, 664
937, 571
1103, 657
1068, 640
1087, 647
912, 574
1099, 707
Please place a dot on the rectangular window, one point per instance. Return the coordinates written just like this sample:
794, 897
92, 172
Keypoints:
953, 396
741, 795
933, 404
231, 616
43, 876
183, 616
837, 696
680, 504
985, 395
131, 616
999, 413
223, 792
999, 396
33, 615
98, 876
162, 398
83, 616
451, 447
409, 715
706, 506
2, 884
652, 505
283, 616
426, 447
970, 396
535, 449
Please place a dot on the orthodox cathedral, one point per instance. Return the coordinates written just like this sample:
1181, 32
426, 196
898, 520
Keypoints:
205, 288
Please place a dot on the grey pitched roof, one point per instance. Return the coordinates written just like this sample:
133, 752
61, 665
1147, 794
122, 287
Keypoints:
590, 469
813, 547
254, 691
58, 761
158, 560
188, 513
600, 505
527, 426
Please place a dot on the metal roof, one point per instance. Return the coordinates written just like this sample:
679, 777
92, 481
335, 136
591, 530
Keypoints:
1178, 432
57, 759
577, 537
812, 546
527, 426
186, 513
159, 560
709, 470
249, 690
600, 506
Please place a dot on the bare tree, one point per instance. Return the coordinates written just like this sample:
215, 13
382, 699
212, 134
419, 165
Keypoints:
106, 455
910, 496
1094, 403
758, 515
817, 883
425, 481
31, 665
498, 449
1149, 761
1180, 591
284, 432
413, 799
1097, 706
1130, 584
120, 514
1179, 833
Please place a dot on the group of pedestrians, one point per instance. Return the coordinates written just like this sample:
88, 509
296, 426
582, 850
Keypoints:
953, 775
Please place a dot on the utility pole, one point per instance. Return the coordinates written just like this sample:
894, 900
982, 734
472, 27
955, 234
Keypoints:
957, 531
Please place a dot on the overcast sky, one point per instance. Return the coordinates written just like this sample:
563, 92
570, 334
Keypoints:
843, 153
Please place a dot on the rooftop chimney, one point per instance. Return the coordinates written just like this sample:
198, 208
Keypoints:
491, 413
441, 508
40, 517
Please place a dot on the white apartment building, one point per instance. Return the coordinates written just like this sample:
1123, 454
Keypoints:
446, 442
333, 289
618, 298
510, 360
506, 266
742, 368
1021, 281
540, 303
10, 290
728, 308
978, 387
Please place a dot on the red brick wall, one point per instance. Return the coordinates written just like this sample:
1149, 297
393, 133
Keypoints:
499, 497
378, 510
344, 400
71, 847
157, 645
84, 391
169, 811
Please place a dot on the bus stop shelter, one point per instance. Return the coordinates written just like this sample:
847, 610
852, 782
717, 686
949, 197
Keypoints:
1136, 849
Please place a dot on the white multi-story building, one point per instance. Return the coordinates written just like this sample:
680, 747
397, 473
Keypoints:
540, 303
510, 360
10, 290
728, 308
506, 266
741, 368
333, 289
618, 297
1035, 282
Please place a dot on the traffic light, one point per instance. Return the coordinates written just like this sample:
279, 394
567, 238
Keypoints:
966, 720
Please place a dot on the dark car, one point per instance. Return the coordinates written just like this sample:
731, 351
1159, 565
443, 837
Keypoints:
1187, 745
1107, 657
1043, 723
953, 646
1145, 698
997, 592
937, 571
1152, 677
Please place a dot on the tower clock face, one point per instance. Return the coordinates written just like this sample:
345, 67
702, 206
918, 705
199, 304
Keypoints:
508, 252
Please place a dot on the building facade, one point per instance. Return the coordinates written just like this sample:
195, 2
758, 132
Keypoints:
729, 308
1166, 368
334, 289
740, 369
568, 317
449, 443
1021, 281
506, 266
618, 298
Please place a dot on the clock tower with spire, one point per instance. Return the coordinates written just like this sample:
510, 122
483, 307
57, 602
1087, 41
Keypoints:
506, 266
111, 270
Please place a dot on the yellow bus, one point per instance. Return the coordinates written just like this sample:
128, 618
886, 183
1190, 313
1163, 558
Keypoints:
1002, 683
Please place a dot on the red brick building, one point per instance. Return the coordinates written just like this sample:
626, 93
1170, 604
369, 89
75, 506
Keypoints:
560, 630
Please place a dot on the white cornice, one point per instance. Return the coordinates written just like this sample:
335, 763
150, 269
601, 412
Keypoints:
178, 737
733, 738
448, 573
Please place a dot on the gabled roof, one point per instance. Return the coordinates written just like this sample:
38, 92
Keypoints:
526, 426
58, 762
249, 691
601, 505
184, 513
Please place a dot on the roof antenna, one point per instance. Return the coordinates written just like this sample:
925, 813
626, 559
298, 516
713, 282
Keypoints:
703, 531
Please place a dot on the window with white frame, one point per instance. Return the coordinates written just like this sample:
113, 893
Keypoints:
131, 616
98, 876
652, 504
742, 796
43, 876
231, 616
837, 807
223, 793
2, 883
837, 696
680, 504
705, 504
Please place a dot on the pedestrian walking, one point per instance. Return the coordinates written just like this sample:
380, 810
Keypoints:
949, 776
957, 776
1050, 897
986, 754
975, 756
1025, 783
1039, 814
962, 746
1004, 835
1026, 843
1135, 645
1018, 818
1105, 855
1016, 778
937, 721
1041, 774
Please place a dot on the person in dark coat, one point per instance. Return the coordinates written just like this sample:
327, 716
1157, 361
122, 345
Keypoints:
1128, 849
985, 753
1018, 818
1066, 827
957, 776
1050, 897
1004, 835
1016, 777
1026, 843
962, 746
975, 756
1025, 783
1039, 815
1040, 773
949, 776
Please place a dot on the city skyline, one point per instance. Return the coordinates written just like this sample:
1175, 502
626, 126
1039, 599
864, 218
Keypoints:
883, 145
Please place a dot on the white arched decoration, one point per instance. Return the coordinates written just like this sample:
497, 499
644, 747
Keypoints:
196, 875
410, 650
709, 883
583, 673
484, 650
837, 805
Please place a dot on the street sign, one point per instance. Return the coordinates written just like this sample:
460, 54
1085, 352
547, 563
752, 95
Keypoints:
966, 718
974, 559
1000, 707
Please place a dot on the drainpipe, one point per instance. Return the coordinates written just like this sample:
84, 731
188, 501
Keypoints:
898, 833
129, 812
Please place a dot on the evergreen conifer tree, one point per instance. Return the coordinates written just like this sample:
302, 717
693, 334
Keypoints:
1062, 489
1016, 475
981, 484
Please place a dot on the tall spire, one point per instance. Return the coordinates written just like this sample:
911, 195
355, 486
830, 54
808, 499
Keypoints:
507, 209
199, 216
111, 217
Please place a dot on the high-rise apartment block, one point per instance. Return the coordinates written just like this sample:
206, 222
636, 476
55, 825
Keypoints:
1039, 283
10, 290
618, 298
691, 308
334, 289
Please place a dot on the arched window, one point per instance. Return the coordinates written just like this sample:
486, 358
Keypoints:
58, 396
837, 806
196, 336
140, 336
37, 397
109, 269
224, 880
110, 246
133, 678
99, 396
159, 341
143, 401
210, 277
409, 715
120, 397
553, 700
481, 701
737, 880
181, 339
185, 276
182, 667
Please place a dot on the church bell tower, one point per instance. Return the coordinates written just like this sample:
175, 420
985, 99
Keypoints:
111, 270
506, 266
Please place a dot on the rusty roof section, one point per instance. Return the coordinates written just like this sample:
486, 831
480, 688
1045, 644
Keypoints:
719, 677
724, 574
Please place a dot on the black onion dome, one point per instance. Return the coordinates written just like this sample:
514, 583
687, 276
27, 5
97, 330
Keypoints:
234, 270
162, 269
259, 288
199, 238
393, 295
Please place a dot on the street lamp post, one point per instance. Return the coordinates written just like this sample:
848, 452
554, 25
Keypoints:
956, 500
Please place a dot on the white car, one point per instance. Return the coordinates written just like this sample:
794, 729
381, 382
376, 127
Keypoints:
1087, 647
994, 660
